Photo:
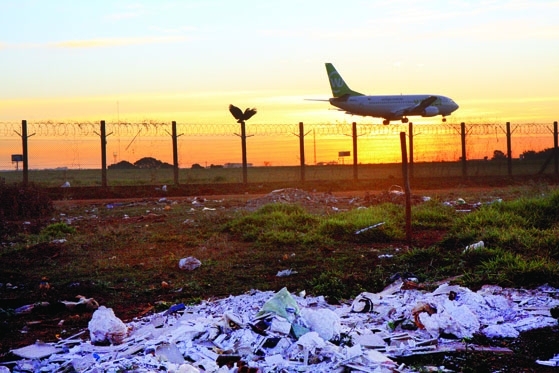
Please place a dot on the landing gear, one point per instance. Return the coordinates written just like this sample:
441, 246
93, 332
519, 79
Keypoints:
386, 122
405, 120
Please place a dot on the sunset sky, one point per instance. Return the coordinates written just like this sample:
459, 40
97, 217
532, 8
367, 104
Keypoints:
188, 60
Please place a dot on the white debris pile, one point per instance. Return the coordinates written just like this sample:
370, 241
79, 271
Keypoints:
273, 332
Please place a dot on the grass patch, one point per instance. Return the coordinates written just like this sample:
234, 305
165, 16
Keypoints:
123, 254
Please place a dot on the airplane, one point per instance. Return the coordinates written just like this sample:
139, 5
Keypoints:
388, 107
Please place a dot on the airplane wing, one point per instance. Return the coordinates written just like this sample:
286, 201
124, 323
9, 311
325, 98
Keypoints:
419, 108
416, 109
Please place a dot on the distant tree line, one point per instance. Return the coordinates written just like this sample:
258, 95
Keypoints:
531, 154
144, 163
527, 155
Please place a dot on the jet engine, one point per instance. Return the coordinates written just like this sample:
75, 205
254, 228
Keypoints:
430, 111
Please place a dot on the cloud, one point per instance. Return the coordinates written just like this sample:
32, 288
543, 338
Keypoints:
112, 42
131, 11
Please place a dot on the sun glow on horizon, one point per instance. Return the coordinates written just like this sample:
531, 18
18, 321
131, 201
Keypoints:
183, 61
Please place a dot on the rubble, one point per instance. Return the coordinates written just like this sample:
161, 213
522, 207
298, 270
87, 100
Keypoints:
267, 332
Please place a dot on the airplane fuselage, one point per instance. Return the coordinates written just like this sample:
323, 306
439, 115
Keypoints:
394, 107
388, 107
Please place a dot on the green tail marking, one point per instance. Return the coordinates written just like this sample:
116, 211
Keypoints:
337, 83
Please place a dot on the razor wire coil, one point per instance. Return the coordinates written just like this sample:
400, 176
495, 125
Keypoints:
157, 129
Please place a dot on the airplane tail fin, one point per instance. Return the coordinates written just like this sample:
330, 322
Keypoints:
338, 85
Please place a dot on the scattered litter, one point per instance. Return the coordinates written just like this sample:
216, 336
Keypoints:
475, 246
83, 304
39, 350
369, 227
553, 362
189, 264
65, 185
28, 308
396, 190
286, 273
105, 327
267, 331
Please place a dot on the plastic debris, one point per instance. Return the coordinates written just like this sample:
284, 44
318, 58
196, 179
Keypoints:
553, 362
286, 273
475, 246
189, 264
38, 350
267, 331
105, 327
369, 227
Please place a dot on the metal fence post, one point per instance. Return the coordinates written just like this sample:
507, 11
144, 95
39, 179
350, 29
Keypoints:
302, 150
103, 136
509, 150
25, 153
410, 130
407, 188
463, 138
555, 148
175, 152
354, 138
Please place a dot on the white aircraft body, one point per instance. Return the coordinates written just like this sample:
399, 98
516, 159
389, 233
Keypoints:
388, 107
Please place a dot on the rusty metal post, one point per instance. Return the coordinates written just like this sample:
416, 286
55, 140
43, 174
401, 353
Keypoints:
103, 137
354, 139
410, 131
244, 151
302, 150
556, 148
25, 152
463, 138
175, 152
407, 188
509, 150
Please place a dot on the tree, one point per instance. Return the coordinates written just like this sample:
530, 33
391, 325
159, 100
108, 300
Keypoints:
498, 155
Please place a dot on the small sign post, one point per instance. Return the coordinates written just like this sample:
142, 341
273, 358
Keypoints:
17, 158
343, 154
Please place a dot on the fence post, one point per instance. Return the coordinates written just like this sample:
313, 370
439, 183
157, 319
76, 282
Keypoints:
354, 138
509, 150
302, 150
103, 137
463, 138
174, 137
244, 151
556, 148
407, 189
410, 130
25, 152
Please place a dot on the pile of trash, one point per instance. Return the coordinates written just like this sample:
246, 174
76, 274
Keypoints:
284, 332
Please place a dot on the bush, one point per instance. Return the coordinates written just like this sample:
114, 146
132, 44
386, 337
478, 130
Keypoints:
18, 201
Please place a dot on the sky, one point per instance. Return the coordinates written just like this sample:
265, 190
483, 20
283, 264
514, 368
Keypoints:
188, 60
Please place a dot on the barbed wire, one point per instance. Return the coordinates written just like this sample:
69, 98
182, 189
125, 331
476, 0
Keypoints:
156, 129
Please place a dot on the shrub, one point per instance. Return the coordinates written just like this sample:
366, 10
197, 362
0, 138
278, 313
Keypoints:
18, 201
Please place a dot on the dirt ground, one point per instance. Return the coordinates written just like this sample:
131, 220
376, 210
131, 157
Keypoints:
49, 323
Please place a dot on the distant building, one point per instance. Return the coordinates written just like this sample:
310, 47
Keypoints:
236, 165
